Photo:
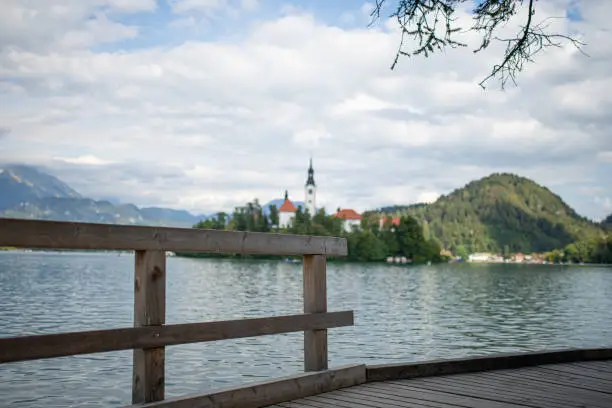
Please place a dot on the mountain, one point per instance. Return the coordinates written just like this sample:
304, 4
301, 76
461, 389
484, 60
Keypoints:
162, 215
504, 212
26, 192
19, 184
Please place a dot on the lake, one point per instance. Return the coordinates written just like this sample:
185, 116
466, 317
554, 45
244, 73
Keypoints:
401, 314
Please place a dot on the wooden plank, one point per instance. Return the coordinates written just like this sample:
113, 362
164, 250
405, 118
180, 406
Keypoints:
270, 392
511, 390
67, 344
532, 379
149, 310
315, 301
72, 235
397, 400
546, 394
326, 401
437, 396
385, 372
563, 379
579, 371
353, 399
605, 366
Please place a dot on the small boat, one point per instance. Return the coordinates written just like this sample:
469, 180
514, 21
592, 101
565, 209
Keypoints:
288, 260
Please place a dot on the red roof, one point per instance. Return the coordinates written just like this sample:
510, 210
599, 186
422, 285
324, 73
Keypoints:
394, 221
287, 207
348, 214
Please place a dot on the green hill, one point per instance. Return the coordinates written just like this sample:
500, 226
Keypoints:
504, 212
607, 223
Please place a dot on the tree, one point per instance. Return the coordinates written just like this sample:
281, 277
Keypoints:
274, 218
431, 25
426, 233
506, 252
461, 252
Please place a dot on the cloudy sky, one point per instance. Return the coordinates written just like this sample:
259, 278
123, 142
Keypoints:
205, 104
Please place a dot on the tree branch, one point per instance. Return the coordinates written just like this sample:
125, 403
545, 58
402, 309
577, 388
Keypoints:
430, 23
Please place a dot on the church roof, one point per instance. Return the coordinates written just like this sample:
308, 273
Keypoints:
287, 206
310, 181
348, 214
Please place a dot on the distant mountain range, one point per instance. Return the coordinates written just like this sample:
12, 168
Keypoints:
26, 192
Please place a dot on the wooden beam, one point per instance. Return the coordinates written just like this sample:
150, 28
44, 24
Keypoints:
146, 337
149, 311
269, 392
386, 372
72, 235
315, 301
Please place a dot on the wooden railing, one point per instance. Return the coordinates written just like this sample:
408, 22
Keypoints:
150, 333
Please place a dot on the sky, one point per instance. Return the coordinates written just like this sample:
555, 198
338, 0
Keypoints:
204, 105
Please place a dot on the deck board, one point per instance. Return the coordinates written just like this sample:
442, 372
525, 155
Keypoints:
583, 384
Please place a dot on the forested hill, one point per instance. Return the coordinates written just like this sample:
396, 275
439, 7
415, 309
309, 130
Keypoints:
504, 212
607, 223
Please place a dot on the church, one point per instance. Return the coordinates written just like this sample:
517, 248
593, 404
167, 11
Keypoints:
287, 210
286, 213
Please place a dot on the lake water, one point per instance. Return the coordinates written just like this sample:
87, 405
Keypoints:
401, 314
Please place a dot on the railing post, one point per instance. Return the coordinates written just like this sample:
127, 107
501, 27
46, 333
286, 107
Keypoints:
315, 301
149, 310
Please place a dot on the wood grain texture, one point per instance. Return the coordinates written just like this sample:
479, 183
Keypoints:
270, 392
149, 311
315, 301
72, 235
67, 344
385, 372
508, 388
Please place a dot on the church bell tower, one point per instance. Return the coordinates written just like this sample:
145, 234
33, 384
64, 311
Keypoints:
310, 190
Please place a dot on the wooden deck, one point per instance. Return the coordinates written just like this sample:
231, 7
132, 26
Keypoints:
581, 384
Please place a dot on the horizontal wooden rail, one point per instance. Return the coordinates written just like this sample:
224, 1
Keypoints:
67, 344
72, 235
266, 393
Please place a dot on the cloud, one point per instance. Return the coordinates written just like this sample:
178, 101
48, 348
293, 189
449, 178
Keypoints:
61, 25
605, 156
183, 6
85, 160
206, 123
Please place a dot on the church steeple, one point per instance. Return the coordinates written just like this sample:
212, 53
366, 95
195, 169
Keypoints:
310, 181
310, 191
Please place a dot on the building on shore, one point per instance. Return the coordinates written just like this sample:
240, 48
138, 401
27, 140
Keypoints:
388, 222
350, 218
480, 257
286, 212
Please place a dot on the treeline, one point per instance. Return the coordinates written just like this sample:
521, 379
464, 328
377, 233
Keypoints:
587, 251
369, 243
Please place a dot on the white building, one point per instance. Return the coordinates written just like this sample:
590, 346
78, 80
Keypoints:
310, 192
286, 212
480, 257
351, 219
